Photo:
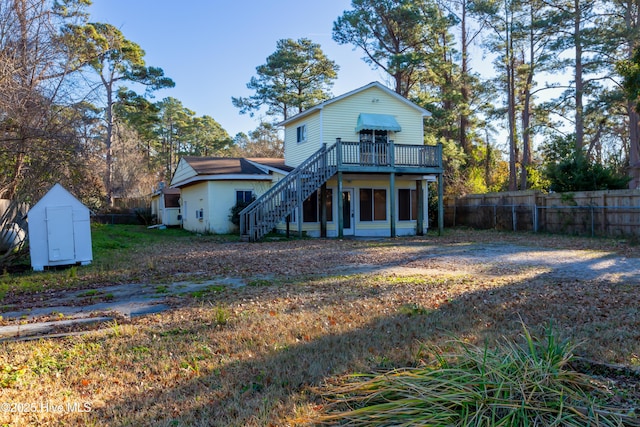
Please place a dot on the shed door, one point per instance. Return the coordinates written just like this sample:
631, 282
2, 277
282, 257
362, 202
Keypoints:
60, 239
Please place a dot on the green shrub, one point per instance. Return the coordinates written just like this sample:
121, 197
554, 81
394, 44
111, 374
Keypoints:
510, 386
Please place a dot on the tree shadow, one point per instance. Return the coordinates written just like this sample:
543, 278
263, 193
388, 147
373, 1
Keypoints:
263, 389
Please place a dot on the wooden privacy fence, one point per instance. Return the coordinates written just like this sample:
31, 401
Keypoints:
595, 213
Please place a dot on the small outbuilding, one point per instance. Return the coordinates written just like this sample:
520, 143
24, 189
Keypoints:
165, 206
59, 230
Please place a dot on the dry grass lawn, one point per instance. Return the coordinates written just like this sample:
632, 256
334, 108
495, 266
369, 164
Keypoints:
311, 312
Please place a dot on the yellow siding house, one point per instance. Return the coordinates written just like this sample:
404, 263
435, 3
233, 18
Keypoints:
360, 168
211, 186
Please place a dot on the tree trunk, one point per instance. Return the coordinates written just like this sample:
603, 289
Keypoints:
511, 107
526, 112
579, 117
465, 92
634, 119
634, 147
108, 143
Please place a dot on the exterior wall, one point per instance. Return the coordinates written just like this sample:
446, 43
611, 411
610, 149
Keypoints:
339, 120
171, 216
297, 152
41, 237
164, 215
193, 198
155, 208
365, 228
216, 198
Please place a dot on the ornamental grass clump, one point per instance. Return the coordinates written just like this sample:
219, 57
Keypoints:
512, 385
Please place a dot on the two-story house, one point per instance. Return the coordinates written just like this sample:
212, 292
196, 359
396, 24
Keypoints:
360, 168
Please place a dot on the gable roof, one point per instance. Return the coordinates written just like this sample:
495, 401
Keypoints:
55, 196
228, 168
378, 85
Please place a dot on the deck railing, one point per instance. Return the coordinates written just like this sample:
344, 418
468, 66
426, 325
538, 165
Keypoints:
261, 216
389, 154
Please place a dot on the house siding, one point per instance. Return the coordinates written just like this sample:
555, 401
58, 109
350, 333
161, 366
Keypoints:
183, 171
366, 228
297, 152
192, 199
216, 198
339, 120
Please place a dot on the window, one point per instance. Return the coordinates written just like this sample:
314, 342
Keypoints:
377, 136
200, 214
373, 147
244, 196
301, 133
311, 207
373, 204
407, 204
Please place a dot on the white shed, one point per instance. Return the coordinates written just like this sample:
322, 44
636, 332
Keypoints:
59, 230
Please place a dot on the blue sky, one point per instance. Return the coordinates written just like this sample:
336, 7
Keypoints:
211, 48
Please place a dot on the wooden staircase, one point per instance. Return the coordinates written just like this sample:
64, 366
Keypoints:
262, 216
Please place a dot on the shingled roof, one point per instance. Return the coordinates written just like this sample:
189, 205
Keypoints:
223, 166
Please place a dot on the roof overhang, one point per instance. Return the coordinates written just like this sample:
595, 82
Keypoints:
229, 177
368, 121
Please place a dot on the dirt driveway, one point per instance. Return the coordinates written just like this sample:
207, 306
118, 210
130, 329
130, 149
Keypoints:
489, 255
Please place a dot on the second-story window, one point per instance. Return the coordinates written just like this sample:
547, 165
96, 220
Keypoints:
301, 133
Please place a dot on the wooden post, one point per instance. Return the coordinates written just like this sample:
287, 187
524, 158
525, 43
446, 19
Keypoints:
440, 203
299, 202
392, 203
420, 202
323, 210
288, 221
340, 207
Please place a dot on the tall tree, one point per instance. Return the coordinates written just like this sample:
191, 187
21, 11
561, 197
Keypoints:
624, 19
397, 36
34, 86
116, 60
263, 141
174, 126
209, 138
468, 81
502, 18
295, 77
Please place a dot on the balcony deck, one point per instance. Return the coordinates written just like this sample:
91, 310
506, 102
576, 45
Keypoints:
374, 157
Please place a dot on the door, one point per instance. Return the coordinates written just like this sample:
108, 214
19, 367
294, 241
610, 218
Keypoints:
60, 238
348, 228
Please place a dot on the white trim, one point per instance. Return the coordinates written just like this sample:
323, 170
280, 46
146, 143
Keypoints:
301, 133
321, 125
229, 177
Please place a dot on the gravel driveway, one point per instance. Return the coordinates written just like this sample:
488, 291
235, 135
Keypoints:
234, 264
